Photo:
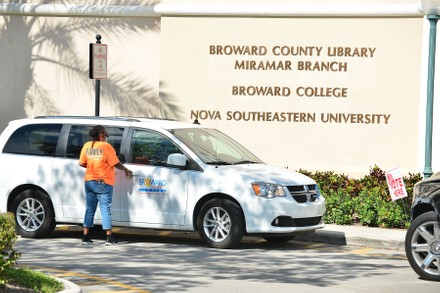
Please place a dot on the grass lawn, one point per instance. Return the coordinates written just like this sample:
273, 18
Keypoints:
27, 280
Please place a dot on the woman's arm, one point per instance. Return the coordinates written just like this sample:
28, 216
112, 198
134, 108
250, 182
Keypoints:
120, 166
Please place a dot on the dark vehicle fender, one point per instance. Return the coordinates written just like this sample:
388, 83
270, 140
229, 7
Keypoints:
425, 204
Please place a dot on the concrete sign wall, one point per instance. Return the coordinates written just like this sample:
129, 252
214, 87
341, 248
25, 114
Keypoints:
310, 84
314, 93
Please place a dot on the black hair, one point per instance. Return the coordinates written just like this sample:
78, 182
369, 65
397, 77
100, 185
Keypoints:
96, 131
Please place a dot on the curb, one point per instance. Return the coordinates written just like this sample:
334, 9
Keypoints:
364, 236
69, 287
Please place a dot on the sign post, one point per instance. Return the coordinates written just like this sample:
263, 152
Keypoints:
97, 67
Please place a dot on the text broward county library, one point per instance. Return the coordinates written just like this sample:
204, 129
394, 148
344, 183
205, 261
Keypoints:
322, 85
291, 51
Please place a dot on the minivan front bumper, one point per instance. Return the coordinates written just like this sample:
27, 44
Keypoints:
284, 215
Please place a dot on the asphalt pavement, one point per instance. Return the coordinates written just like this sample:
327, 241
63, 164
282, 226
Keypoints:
393, 239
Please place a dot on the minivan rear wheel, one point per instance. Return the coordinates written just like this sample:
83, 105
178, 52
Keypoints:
422, 246
34, 214
220, 223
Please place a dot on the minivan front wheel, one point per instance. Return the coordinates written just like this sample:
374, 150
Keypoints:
422, 246
220, 223
34, 215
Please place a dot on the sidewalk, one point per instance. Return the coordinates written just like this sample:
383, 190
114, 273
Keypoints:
359, 236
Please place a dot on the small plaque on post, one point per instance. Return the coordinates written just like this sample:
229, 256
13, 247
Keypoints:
98, 61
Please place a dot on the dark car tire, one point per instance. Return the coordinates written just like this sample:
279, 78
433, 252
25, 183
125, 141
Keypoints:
34, 215
220, 223
422, 246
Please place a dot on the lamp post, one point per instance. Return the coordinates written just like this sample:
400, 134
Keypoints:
431, 8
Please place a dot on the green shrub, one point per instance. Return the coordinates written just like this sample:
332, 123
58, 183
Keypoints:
410, 181
393, 215
376, 210
375, 179
8, 236
366, 199
339, 208
367, 206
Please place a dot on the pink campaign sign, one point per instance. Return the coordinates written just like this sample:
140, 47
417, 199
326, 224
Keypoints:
396, 184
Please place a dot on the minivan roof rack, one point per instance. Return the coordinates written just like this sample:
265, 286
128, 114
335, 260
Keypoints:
119, 118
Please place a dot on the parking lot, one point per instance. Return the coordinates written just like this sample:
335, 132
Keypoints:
153, 261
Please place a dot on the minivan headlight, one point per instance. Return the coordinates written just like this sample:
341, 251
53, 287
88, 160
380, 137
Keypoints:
268, 190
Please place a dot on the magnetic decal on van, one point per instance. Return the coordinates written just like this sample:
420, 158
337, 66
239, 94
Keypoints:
152, 186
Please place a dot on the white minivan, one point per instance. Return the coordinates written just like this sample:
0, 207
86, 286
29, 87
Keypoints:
186, 177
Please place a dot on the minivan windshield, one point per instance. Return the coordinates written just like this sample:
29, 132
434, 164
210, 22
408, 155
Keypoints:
214, 147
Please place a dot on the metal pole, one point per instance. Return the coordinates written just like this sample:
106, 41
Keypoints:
430, 94
97, 84
97, 97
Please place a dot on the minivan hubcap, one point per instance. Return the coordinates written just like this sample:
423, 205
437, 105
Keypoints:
30, 214
217, 224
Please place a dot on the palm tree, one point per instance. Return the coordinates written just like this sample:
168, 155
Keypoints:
25, 41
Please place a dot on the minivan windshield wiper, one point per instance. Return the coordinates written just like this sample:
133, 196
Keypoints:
219, 163
245, 162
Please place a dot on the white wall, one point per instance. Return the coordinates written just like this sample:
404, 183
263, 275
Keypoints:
46, 71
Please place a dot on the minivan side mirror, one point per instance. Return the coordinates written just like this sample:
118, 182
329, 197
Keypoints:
177, 160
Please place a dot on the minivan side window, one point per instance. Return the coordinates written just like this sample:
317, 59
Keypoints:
79, 135
151, 148
34, 139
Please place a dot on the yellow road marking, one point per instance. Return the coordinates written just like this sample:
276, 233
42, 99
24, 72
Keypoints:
364, 250
164, 233
90, 283
317, 245
99, 279
116, 291
399, 257
65, 274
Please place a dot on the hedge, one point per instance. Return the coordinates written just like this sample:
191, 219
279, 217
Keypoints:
8, 237
366, 200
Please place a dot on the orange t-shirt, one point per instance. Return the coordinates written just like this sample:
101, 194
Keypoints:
100, 161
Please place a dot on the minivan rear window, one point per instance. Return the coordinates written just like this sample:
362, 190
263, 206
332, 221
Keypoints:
35, 139
79, 134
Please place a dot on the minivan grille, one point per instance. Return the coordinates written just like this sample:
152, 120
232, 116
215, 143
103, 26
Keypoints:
285, 221
304, 193
307, 222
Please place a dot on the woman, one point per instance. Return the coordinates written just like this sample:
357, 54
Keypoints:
99, 158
